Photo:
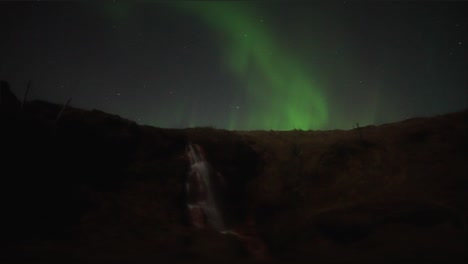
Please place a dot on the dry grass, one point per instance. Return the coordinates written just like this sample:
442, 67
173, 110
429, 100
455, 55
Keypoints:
115, 191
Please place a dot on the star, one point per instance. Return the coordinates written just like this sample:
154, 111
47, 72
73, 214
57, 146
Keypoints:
118, 94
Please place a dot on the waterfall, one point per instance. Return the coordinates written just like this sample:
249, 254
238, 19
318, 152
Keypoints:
203, 198
205, 191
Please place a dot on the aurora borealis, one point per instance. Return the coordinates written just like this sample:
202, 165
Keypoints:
281, 95
242, 65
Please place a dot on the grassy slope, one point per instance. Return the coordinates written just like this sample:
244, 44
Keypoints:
399, 194
94, 187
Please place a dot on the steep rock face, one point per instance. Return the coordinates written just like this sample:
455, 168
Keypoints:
93, 187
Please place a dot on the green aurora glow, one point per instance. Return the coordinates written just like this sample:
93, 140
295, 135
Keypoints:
244, 65
280, 93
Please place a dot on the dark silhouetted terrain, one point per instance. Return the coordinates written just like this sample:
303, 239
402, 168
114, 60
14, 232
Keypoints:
95, 188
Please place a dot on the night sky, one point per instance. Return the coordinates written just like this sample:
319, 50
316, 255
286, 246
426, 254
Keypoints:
241, 65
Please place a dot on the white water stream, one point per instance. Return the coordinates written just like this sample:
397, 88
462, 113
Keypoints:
204, 199
203, 202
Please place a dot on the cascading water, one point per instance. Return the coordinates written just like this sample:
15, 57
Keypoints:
203, 199
204, 192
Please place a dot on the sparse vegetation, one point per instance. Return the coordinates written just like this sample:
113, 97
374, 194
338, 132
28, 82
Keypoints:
97, 188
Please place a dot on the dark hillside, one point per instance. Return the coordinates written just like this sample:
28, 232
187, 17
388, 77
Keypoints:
92, 187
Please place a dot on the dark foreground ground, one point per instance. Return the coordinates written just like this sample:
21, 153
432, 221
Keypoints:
95, 188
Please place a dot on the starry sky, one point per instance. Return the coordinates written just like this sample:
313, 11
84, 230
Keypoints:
249, 65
